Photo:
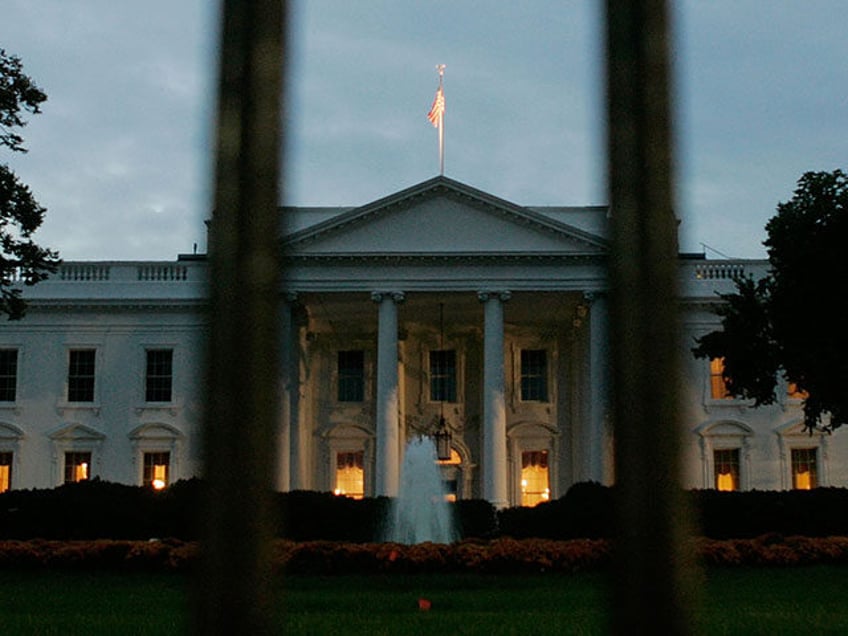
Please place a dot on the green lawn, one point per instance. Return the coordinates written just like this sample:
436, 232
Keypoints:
742, 601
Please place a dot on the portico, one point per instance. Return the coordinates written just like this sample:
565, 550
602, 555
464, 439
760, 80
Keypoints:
511, 374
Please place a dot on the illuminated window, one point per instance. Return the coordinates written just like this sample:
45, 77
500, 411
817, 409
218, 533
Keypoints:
455, 459
534, 375
726, 467
5, 471
81, 375
794, 393
804, 470
351, 376
718, 386
535, 485
159, 375
350, 474
77, 467
443, 375
155, 470
450, 483
8, 374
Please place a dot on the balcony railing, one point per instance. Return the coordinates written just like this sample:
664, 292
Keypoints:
117, 271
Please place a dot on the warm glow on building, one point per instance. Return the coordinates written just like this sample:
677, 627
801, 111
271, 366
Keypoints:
455, 459
5, 477
803, 480
725, 482
726, 464
350, 475
794, 393
718, 387
81, 471
535, 485
160, 476
804, 468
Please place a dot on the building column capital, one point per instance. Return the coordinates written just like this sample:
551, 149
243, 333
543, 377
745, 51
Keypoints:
590, 297
396, 296
502, 295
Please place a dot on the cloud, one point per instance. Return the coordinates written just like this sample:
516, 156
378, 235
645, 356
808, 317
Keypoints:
121, 155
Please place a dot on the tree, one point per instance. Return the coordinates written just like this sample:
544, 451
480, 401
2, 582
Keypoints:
793, 321
22, 261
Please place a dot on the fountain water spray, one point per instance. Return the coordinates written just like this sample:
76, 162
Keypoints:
420, 512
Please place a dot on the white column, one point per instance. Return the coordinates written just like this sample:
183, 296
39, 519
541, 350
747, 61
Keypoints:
288, 384
387, 469
596, 466
298, 452
494, 401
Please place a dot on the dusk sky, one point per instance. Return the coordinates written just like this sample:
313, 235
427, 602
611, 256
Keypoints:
121, 154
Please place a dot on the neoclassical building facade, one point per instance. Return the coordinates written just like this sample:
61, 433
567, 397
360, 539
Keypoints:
437, 308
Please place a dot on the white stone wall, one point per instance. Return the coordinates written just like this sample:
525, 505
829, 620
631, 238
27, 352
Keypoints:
764, 435
118, 426
120, 309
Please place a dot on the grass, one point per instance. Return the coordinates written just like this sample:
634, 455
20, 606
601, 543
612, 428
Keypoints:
736, 601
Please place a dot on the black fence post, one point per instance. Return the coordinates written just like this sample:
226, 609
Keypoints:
241, 401
652, 580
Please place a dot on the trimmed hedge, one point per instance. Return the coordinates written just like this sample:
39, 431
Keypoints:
820, 512
498, 556
100, 510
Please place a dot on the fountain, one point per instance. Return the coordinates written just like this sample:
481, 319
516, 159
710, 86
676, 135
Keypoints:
420, 512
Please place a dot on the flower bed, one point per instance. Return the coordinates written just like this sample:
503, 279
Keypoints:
501, 556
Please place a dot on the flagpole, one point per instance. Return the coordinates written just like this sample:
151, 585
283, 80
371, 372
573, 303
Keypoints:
441, 69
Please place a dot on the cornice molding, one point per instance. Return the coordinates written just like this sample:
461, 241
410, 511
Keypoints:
446, 257
111, 306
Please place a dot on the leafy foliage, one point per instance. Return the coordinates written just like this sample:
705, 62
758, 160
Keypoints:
21, 259
792, 321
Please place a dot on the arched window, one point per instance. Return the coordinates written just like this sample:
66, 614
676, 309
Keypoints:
77, 453
156, 454
535, 477
533, 448
348, 449
725, 455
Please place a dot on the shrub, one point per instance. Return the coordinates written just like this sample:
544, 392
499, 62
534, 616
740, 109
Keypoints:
103, 510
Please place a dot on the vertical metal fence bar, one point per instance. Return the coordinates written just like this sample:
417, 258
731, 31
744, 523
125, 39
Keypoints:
242, 366
652, 590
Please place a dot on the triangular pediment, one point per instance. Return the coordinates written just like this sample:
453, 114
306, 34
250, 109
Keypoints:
76, 433
442, 217
10, 432
155, 431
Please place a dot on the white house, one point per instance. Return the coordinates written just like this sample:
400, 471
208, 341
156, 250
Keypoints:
436, 303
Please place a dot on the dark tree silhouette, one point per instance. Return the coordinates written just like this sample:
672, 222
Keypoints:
794, 321
22, 261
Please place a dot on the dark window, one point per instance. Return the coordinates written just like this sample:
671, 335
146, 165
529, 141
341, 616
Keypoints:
351, 374
155, 470
534, 375
81, 375
443, 376
77, 467
159, 375
8, 374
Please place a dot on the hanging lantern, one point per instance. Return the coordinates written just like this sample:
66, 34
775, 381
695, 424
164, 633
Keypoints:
442, 439
442, 436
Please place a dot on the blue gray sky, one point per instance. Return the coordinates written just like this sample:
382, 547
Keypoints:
121, 155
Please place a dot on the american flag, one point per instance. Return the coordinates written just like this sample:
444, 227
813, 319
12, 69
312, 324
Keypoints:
437, 110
